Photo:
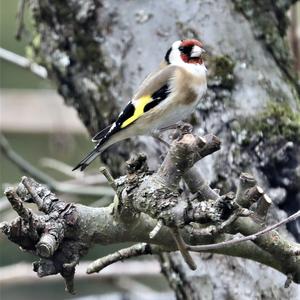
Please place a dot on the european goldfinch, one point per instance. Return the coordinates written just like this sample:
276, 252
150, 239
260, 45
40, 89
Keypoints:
165, 97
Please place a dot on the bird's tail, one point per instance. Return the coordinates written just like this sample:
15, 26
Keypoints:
88, 159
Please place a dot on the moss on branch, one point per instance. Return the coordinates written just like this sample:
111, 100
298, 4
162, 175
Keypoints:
221, 72
277, 120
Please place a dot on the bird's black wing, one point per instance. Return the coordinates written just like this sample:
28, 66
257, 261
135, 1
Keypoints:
99, 135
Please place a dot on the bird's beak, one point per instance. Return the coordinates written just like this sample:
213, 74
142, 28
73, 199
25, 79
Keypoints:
197, 51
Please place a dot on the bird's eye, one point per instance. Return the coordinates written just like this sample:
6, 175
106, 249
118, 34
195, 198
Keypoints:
181, 48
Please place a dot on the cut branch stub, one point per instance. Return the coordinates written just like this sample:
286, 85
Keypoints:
50, 240
246, 182
183, 154
263, 206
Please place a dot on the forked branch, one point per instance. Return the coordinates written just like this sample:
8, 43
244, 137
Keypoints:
150, 203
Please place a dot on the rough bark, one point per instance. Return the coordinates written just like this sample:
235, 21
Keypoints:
65, 232
97, 52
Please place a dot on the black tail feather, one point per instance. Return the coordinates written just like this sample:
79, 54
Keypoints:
87, 160
101, 134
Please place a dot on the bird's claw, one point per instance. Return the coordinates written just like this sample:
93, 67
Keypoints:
182, 128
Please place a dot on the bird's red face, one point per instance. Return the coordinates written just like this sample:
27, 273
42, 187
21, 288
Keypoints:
185, 51
191, 51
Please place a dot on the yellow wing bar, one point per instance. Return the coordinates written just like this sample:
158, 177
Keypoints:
138, 111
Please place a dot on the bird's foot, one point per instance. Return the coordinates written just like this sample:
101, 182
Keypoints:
156, 134
185, 127
182, 128
170, 127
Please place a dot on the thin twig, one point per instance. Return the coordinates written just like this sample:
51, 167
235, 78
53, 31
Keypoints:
156, 229
109, 177
182, 247
133, 251
243, 239
17, 204
220, 228
32, 171
23, 62
36, 198
20, 19
156, 136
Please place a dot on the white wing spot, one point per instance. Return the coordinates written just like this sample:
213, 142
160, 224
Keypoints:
113, 126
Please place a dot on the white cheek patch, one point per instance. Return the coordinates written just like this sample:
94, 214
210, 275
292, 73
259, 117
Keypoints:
174, 57
176, 45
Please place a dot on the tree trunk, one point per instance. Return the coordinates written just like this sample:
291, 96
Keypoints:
97, 52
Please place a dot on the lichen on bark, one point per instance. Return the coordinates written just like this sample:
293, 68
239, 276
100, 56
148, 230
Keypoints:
270, 22
278, 119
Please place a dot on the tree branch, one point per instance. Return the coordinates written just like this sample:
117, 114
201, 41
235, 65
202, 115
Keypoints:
24, 63
67, 188
20, 19
251, 237
133, 251
66, 231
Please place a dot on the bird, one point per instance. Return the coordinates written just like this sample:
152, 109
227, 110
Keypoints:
166, 96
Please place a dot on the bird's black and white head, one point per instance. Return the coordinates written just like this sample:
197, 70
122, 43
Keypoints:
185, 52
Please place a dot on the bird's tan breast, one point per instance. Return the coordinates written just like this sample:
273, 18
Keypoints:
188, 86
